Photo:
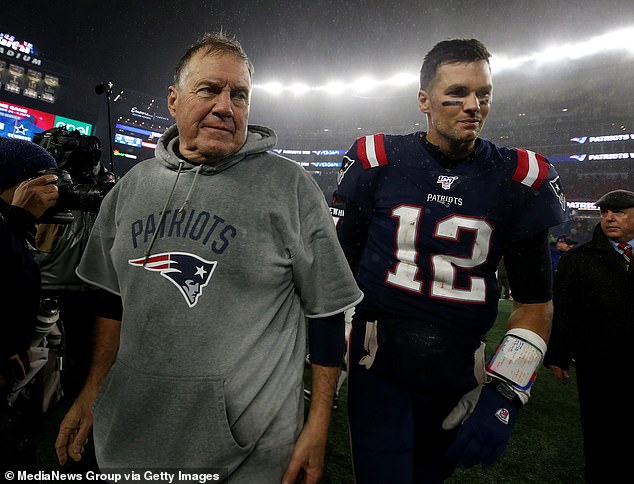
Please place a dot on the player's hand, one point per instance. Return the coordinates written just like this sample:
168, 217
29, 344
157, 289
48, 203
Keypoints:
36, 195
74, 431
486, 420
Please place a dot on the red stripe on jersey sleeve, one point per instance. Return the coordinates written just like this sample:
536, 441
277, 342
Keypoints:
522, 166
362, 153
543, 171
374, 154
379, 148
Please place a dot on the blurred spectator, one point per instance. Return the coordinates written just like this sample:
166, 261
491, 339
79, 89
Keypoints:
24, 197
560, 246
503, 279
592, 326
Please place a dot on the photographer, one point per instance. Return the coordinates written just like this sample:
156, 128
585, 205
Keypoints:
62, 239
24, 197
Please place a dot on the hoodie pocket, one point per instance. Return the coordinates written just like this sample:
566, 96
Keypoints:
147, 420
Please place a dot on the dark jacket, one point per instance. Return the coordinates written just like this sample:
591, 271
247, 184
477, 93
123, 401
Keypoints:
593, 307
19, 280
555, 256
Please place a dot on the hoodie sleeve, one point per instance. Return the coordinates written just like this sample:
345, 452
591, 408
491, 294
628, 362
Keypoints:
96, 266
320, 270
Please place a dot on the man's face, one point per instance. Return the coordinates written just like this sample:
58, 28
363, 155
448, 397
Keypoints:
618, 224
457, 104
562, 245
211, 107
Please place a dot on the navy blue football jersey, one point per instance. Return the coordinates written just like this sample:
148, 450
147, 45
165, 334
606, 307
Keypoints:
434, 235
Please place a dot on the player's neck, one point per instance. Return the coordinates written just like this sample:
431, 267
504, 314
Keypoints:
450, 156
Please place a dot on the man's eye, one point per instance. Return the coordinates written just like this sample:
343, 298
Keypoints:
241, 97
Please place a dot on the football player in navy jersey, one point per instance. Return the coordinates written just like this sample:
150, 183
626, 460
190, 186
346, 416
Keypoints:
427, 218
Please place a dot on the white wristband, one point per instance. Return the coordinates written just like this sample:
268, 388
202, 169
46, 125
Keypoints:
517, 358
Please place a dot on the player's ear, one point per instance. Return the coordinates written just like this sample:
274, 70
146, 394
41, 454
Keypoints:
423, 101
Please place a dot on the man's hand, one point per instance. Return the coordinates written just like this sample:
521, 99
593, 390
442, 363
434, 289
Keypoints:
486, 417
14, 369
307, 461
560, 374
37, 195
74, 430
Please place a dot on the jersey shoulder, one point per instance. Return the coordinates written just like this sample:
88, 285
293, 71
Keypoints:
369, 154
379, 149
527, 167
529, 171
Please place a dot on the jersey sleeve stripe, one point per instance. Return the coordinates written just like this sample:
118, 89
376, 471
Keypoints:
532, 169
371, 151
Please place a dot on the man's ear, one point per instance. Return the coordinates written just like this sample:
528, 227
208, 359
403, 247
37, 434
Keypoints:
172, 99
424, 101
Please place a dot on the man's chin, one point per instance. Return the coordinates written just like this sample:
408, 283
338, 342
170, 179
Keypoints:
210, 153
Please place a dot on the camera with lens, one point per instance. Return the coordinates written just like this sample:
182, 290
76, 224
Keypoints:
81, 180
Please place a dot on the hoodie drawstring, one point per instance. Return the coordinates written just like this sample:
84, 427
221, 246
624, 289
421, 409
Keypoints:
190, 188
162, 219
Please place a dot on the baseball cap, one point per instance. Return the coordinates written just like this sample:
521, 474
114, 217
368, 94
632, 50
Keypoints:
566, 239
617, 199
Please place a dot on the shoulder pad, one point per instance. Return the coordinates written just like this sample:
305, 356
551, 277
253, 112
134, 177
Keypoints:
531, 169
371, 151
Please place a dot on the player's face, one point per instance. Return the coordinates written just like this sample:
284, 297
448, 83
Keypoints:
618, 225
211, 108
456, 105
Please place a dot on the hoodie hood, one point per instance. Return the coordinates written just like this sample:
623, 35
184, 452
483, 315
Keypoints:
259, 140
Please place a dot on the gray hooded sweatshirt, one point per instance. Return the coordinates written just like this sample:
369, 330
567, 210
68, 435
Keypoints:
210, 363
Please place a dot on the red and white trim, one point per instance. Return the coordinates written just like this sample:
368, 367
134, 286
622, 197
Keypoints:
532, 168
371, 151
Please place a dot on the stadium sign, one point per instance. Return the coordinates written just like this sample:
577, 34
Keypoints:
23, 51
582, 205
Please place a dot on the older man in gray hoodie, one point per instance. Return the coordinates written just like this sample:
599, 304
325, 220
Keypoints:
202, 369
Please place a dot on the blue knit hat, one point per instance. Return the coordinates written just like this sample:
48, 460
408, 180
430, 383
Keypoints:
21, 160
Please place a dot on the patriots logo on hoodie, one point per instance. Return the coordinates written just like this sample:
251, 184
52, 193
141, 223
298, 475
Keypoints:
188, 272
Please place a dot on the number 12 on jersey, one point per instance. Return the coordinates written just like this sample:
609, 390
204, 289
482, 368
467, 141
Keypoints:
444, 267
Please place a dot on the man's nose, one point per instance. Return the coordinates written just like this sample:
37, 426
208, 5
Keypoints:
223, 106
471, 103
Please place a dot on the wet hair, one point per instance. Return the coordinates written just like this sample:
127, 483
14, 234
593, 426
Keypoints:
450, 52
216, 43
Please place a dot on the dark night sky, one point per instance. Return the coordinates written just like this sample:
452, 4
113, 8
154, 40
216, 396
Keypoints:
136, 43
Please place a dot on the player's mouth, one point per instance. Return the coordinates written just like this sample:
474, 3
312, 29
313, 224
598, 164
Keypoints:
471, 123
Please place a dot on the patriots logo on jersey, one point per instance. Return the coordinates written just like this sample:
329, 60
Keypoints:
345, 166
559, 193
445, 181
188, 272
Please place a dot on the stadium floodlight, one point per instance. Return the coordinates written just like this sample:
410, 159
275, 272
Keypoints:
402, 79
334, 88
364, 84
274, 88
620, 39
616, 40
299, 88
